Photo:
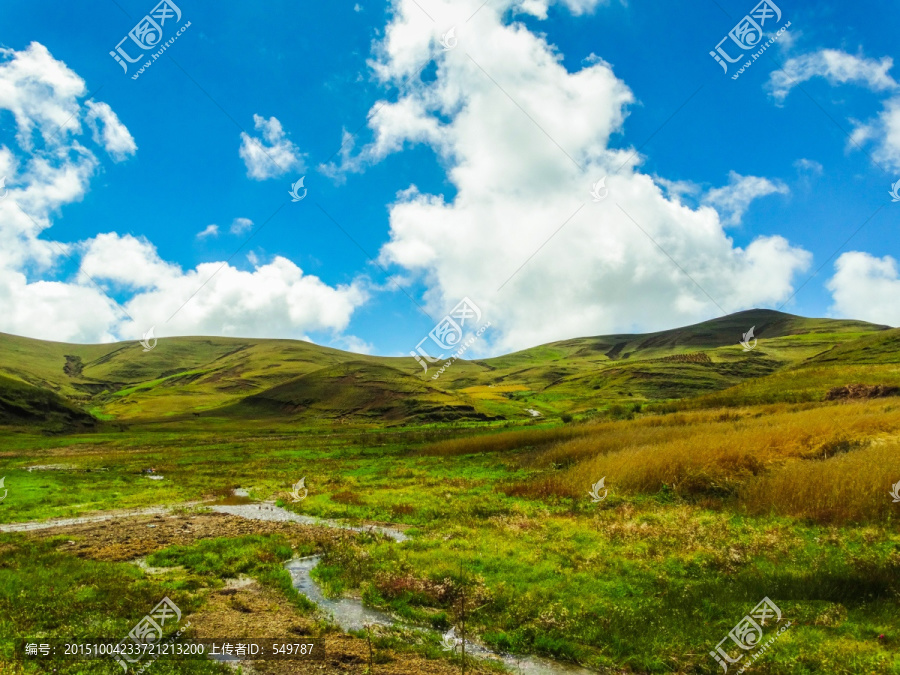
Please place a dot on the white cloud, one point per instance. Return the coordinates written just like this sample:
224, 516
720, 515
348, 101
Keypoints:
679, 189
865, 287
126, 260
241, 225
351, 343
272, 155
809, 166
884, 132
52, 310
47, 168
515, 187
210, 231
732, 200
274, 299
109, 131
51, 168
837, 67
41, 93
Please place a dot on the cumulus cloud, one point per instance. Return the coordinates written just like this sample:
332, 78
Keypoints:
51, 167
210, 231
126, 260
274, 299
522, 184
273, 154
865, 287
241, 226
837, 67
41, 93
884, 132
109, 131
47, 168
732, 200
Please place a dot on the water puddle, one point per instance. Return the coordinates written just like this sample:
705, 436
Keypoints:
268, 511
351, 614
234, 500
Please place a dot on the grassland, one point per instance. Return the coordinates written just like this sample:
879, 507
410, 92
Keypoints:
731, 477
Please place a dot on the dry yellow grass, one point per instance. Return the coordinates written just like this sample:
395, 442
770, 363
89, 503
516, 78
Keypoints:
850, 487
827, 462
493, 392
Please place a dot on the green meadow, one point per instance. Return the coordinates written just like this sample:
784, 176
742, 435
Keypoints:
730, 477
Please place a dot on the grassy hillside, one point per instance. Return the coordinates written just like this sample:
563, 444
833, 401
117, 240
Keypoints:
870, 360
358, 388
23, 404
225, 377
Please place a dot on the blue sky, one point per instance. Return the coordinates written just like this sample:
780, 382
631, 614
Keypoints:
458, 167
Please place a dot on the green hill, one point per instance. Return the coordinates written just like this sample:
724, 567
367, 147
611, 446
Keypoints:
23, 404
235, 377
358, 388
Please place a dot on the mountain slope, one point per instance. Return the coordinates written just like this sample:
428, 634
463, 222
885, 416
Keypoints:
360, 389
236, 377
24, 404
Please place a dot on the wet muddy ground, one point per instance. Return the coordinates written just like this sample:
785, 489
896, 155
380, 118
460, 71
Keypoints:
243, 608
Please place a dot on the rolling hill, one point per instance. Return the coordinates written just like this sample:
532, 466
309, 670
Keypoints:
23, 404
234, 377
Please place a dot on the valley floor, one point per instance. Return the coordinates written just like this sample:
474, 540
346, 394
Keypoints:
702, 515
